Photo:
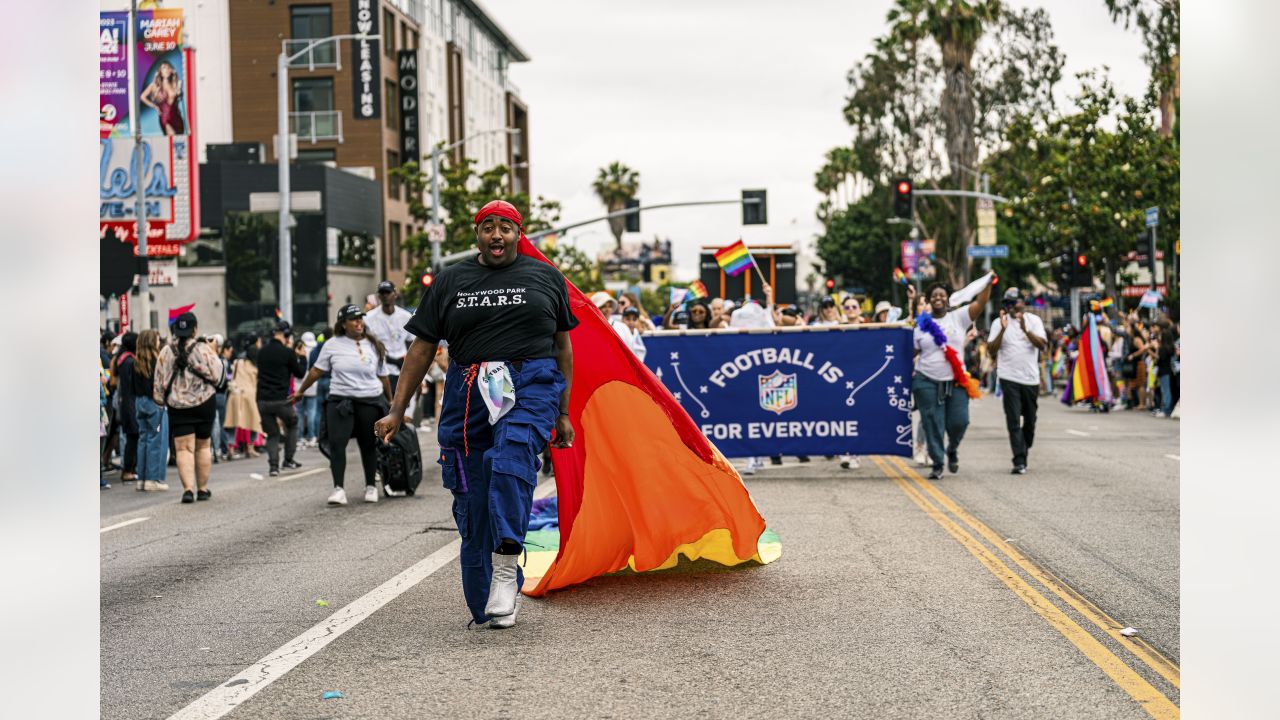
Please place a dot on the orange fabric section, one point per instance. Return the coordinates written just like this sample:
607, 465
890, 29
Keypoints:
646, 494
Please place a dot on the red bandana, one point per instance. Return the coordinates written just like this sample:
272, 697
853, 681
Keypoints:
501, 208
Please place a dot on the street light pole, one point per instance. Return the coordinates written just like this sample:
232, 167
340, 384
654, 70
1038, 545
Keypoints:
283, 151
436, 243
140, 206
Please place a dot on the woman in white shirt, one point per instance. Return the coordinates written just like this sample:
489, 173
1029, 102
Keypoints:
944, 408
359, 394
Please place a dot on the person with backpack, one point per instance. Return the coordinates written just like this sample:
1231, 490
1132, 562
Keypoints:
359, 394
187, 376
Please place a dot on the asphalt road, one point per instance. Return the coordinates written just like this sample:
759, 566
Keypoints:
983, 595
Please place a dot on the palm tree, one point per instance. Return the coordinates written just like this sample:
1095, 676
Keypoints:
956, 25
615, 185
1160, 24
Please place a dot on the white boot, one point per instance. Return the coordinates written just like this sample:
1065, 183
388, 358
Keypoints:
505, 621
502, 589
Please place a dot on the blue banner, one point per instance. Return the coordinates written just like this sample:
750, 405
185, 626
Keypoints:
811, 392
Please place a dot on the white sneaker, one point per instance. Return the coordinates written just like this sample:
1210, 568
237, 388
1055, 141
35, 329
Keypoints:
505, 621
153, 486
393, 493
502, 589
338, 496
850, 462
370, 493
751, 467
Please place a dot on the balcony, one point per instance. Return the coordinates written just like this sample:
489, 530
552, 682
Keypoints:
324, 55
315, 126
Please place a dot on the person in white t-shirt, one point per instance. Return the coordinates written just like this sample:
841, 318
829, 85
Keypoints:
944, 408
1016, 341
386, 322
628, 328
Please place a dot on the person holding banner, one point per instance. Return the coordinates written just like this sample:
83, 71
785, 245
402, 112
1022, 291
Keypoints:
507, 319
941, 386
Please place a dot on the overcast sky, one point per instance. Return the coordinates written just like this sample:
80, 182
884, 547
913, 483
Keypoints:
706, 98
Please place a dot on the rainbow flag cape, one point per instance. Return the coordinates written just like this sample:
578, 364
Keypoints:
1088, 379
175, 312
639, 494
734, 259
698, 290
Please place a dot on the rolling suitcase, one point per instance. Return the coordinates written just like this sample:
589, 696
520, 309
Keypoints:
400, 462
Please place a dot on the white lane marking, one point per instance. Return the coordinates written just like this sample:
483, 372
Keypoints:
1081, 433
304, 473
1174, 457
244, 685
126, 523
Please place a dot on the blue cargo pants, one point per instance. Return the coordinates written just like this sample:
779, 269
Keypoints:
493, 469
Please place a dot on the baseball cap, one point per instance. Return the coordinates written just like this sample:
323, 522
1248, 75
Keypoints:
600, 298
349, 312
386, 286
632, 311
283, 328
828, 301
185, 325
1013, 293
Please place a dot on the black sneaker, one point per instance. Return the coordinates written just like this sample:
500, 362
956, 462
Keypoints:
203, 494
802, 458
291, 465
1019, 470
188, 497
775, 459
935, 474
273, 472
953, 463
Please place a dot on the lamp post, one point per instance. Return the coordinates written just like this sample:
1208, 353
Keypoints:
282, 160
435, 184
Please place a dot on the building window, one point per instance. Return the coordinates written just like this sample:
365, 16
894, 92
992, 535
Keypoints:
393, 181
312, 22
313, 95
391, 105
389, 33
410, 38
393, 245
317, 156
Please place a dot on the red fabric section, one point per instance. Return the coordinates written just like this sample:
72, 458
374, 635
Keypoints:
501, 208
600, 357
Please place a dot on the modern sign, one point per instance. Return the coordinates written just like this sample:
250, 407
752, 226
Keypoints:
990, 251
169, 185
409, 147
367, 78
1153, 216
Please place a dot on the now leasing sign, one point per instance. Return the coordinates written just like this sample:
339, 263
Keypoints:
812, 392
367, 76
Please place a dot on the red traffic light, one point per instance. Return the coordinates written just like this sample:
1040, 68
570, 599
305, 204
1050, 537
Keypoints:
904, 187
831, 284
427, 279
1082, 261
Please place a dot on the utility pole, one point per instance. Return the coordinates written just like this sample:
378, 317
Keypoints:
140, 186
284, 253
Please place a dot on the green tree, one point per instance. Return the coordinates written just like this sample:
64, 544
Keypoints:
860, 246
615, 185
1159, 21
581, 269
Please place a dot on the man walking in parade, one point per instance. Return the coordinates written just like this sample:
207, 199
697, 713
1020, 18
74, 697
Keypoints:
277, 362
1017, 341
506, 318
386, 322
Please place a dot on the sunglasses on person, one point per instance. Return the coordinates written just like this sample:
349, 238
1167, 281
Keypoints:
851, 308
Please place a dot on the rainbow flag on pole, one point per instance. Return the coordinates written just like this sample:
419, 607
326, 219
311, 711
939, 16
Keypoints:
697, 290
734, 259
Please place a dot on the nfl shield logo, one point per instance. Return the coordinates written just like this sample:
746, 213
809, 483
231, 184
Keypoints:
778, 392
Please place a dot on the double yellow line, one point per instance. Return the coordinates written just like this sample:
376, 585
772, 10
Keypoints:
936, 505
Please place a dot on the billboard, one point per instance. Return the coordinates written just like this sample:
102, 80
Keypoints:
168, 181
162, 74
920, 261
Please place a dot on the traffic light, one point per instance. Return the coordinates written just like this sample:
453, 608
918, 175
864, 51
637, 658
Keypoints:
755, 212
633, 219
831, 284
1081, 271
427, 279
1062, 270
902, 190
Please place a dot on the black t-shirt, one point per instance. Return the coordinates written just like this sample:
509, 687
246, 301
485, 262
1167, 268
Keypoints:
487, 314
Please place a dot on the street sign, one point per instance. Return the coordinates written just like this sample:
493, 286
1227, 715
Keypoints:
990, 251
435, 232
1153, 216
986, 222
161, 272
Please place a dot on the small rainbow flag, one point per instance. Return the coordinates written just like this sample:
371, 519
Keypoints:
899, 276
698, 290
175, 312
279, 314
734, 259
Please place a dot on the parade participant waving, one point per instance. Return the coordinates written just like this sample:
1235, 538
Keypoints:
358, 392
939, 339
507, 319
